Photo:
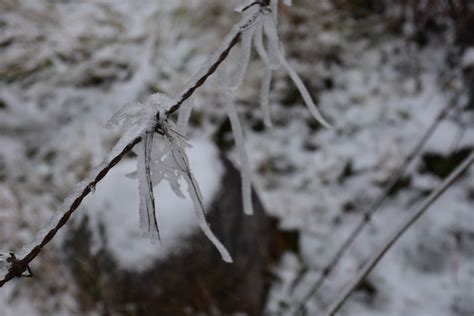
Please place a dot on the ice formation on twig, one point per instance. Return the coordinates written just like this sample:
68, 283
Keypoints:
164, 157
171, 163
161, 156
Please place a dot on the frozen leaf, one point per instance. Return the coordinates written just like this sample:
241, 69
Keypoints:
259, 47
181, 165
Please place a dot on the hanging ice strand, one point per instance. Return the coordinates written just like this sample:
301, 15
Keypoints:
139, 119
176, 163
245, 171
272, 58
148, 220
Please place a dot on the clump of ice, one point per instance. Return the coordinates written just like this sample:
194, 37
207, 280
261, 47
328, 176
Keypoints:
114, 207
142, 115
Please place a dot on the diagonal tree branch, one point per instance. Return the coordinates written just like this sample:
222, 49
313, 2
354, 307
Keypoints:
455, 175
17, 267
376, 204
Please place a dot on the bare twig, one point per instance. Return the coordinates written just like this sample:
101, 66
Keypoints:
460, 170
17, 267
375, 206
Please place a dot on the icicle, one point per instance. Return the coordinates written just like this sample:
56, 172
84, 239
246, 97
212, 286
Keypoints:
274, 8
275, 52
304, 92
243, 63
258, 43
148, 220
267, 78
194, 191
184, 115
239, 141
264, 97
269, 29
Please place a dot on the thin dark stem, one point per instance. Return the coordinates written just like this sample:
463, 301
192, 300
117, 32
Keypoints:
18, 267
455, 175
187, 94
375, 206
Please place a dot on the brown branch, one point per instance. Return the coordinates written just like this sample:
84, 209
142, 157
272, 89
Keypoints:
455, 175
375, 205
17, 267
186, 95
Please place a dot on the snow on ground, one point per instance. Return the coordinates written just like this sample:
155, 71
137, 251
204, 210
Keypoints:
66, 67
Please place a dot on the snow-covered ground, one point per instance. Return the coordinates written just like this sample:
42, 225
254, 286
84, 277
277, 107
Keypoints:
66, 67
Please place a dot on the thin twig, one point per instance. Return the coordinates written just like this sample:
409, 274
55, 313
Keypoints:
375, 205
18, 267
222, 56
456, 174
186, 95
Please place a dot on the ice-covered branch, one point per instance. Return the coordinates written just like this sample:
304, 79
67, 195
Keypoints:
10, 269
162, 155
455, 175
17, 267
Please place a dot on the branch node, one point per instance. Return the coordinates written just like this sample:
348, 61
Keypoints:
18, 267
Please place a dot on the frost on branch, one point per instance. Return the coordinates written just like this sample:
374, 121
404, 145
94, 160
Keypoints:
161, 156
170, 162
272, 57
161, 150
